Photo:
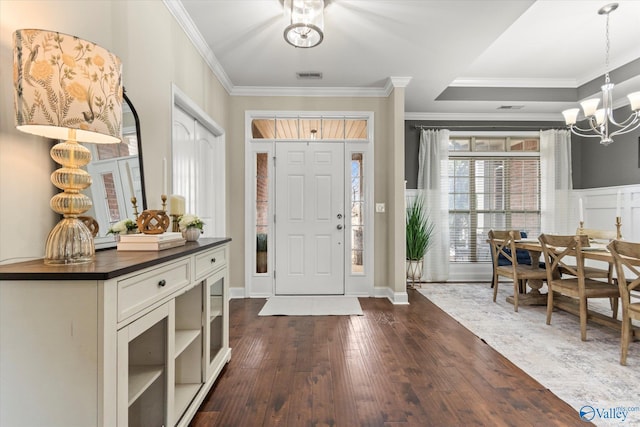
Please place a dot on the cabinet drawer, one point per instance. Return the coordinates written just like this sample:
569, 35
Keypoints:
138, 292
210, 261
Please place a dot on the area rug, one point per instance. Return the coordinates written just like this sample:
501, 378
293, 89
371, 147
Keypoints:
587, 375
311, 306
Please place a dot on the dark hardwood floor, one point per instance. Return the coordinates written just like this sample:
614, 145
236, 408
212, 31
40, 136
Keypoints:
407, 365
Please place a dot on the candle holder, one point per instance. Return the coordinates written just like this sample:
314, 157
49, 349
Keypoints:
618, 226
134, 202
163, 197
581, 227
176, 210
175, 226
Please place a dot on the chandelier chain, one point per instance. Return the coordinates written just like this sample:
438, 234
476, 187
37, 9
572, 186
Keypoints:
607, 45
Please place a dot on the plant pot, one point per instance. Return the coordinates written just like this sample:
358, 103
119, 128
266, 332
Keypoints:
414, 269
191, 234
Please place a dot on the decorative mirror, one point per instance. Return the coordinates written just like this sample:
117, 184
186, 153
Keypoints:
117, 174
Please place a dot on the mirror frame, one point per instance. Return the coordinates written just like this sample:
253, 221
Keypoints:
108, 242
137, 122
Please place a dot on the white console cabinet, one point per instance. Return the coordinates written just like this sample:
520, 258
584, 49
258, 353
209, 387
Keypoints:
132, 339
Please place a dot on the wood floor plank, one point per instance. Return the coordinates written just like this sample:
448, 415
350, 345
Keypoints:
409, 365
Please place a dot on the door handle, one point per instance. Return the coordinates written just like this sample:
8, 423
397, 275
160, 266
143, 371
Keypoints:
339, 227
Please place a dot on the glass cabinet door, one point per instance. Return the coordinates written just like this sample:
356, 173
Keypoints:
217, 310
142, 371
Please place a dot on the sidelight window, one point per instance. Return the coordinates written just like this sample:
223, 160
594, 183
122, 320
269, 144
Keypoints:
357, 213
262, 211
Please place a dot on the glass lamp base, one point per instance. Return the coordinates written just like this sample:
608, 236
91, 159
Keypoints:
69, 242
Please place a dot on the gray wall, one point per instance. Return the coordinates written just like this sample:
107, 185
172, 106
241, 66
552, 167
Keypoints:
598, 166
593, 165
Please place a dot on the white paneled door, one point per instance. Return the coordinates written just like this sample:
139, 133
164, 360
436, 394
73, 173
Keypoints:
309, 222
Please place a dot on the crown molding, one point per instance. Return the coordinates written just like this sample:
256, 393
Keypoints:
513, 82
512, 117
189, 27
399, 81
367, 92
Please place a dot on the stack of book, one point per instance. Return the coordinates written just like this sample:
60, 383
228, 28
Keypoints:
150, 242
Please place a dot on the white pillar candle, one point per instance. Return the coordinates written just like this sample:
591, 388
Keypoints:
581, 210
176, 205
618, 204
131, 189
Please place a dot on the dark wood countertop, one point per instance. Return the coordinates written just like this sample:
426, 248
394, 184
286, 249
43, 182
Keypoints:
108, 264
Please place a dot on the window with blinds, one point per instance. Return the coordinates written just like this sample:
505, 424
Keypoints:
494, 183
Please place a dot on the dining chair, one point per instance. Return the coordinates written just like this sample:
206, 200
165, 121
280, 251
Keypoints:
560, 252
524, 258
626, 256
502, 244
603, 235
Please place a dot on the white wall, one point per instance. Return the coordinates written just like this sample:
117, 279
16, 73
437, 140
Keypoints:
600, 206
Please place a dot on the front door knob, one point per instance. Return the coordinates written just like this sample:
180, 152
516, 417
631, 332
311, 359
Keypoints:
339, 226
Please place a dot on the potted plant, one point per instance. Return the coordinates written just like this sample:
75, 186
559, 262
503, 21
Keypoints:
126, 226
419, 230
190, 226
261, 253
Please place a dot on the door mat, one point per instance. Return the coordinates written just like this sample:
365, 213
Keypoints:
311, 306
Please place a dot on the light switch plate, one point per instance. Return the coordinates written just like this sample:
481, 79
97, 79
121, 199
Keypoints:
379, 207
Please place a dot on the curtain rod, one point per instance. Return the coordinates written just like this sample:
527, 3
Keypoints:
486, 127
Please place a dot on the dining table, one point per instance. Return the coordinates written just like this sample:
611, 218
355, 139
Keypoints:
596, 251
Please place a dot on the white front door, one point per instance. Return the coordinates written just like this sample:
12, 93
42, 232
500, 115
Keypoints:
309, 221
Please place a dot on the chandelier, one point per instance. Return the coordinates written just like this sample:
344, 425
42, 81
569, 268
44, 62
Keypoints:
601, 122
305, 22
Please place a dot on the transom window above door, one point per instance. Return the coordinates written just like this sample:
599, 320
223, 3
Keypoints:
322, 128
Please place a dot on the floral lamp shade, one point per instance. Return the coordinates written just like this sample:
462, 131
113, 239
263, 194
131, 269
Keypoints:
67, 88
63, 82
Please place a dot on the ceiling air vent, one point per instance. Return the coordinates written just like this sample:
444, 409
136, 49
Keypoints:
510, 107
309, 75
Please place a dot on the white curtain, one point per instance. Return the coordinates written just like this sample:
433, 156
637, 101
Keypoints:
433, 183
555, 182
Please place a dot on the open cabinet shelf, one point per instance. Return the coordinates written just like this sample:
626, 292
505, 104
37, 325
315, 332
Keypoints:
140, 379
184, 337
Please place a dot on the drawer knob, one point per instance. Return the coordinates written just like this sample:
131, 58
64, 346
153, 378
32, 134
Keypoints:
213, 260
162, 282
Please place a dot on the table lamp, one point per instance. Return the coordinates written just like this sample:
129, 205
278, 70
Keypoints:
67, 88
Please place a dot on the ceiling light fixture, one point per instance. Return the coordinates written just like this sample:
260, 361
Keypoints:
305, 22
601, 121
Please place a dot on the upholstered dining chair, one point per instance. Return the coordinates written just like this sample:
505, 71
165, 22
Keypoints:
560, 252
626, 256
502, 244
